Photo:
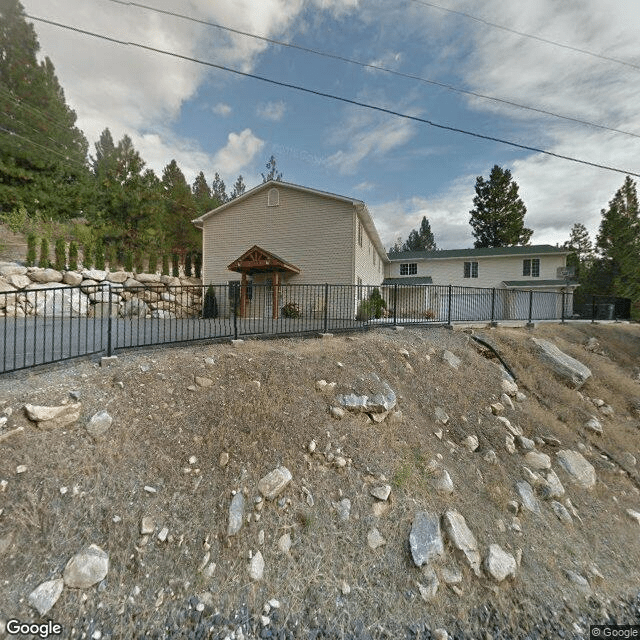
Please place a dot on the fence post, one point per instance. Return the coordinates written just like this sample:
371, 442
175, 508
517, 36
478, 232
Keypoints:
326, 307
395, 301
493, 307
529, 323
593, 309
235, 314
563, 303
449, 308
109, 326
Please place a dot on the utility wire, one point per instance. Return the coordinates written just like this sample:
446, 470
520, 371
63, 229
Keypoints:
375, 67
332, 96
527, 35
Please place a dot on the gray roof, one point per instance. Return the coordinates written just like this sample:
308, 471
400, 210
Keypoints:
539, 283
410, 280
534, 249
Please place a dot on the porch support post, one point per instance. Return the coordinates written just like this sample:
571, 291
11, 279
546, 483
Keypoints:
275, 292
243, 294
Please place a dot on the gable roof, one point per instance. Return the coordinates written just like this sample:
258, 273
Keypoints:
258, 259
488, 252
359, 206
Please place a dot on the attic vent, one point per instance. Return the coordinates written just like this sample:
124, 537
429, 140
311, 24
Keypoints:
273, 198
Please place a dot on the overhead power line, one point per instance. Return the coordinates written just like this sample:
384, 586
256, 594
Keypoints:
527, 35
331, 96
375, 67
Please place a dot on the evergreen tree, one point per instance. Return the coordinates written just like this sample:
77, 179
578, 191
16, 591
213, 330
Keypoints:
87, 255
175, 265
44, 254
61, 254
31, 250
73, 256
420, 240
98, 255
42, 153
618, 242
238, 188
272, 171
187, 265
165, 264
219, 190
153, 262
180, 209
202, 197
497, 218
581, 247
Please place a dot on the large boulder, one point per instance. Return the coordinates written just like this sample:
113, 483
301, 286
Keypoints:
499, 564
72, 278
49, 417
569, 369
86, 568
462, 538
369, 395
44, 596
11, 269
579, 469
94, 274
45, 276
61, 301
134, 308
18, 281
425, 539
118, 276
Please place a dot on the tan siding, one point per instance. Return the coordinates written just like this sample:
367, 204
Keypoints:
365, 269
312, 232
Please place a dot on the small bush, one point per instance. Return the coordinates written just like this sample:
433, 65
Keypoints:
291, 310
153, 262
73, 256
429, 314
61, 254
187, 265
197, 263
128, 260
175, 265
210, 306
44, 254
112, 257
377, 303
139, 261
165, 264
87, 256
365, 311
99, 255
31, 250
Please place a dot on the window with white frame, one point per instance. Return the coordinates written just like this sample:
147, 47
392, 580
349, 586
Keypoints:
273, 198
408, 268
359, 233
531, 267
470, 270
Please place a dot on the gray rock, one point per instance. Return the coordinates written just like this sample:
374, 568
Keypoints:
284, 543
370, 395
45, 276
442, 482
44, 596
509, 387
451, 574
62, 301
428, 590
99, 423
471, 442
344, 509
86, 568
490, 456
520, 397
580, 581
148, 277
256, 567
628, 459
132, 283
635, 515
425, 539
53, 417
537, 460
94, 274
274, 483
12, 269
593, 425
18, 281
580, 471
375, 539
147, 526
119, 277
382, 492
569, 369
514, 430
506, 401
236, 514
462, 538
337, 412
497, 408
499, 564
451, 359
441, 415
134, 308
561, 512
552, 487
529, 500
525, 443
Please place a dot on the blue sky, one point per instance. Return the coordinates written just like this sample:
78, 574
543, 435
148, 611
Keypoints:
214, 121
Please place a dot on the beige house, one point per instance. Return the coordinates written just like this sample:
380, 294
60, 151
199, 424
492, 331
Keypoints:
280, 234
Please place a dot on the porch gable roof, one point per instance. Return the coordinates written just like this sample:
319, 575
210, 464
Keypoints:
259, 260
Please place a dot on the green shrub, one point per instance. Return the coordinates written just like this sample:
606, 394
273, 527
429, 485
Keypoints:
128, 260
153, 262
377, 302
61, 254
99, 255
197, 263
187, 265
210, 306
112, 256
31, 250
44, 254
87, 255
175, 265
365, 311
165, 264
291, 310
73, 256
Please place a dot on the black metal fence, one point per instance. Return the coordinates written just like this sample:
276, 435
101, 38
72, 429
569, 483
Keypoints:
47, 324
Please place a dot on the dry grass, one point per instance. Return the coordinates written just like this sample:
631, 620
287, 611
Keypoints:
159, 424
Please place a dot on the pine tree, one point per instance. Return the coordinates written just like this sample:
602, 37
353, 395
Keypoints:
61, 254
420, 240
165, 264
202, 196
497, 218
219, 190
98, 255
31, 250
44, 254
180, 209
272, 171
42, 153
581, 247
238, 188
73, 256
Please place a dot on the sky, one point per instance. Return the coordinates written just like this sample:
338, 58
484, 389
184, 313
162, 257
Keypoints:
214, 120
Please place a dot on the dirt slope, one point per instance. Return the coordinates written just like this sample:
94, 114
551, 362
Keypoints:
330, 583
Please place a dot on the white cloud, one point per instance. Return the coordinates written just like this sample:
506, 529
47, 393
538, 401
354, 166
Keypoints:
239, 151
388, 60
364, 186
273, 111
221, 109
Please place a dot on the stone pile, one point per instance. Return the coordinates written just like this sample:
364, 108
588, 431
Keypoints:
33, 291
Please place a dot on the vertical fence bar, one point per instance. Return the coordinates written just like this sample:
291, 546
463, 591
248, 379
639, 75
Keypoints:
530, 305
493, 305
109, 327
326, 307
562, 313
395, 303
450, 295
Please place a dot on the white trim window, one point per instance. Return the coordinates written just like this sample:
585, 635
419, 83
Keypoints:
531, 267
470, 270
359, 233
408, 268
273, 198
